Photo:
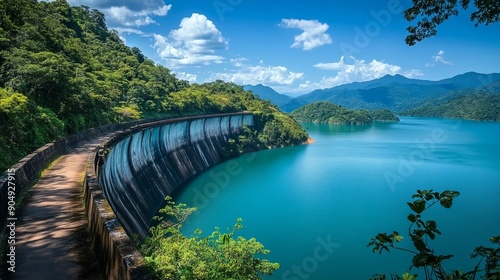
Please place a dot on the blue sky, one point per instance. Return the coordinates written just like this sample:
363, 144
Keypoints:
297, 46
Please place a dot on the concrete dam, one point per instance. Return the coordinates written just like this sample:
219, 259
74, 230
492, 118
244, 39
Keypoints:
146, 166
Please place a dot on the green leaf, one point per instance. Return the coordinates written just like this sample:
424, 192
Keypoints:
419, 245
398, 238
412, 206
445, 257
420, 223
420, 205
431, 235
436, 195
446, 198
446, 202
420, 260
428, 196
382, 237
407, 276
412, 218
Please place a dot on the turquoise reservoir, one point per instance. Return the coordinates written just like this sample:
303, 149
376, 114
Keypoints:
316, 206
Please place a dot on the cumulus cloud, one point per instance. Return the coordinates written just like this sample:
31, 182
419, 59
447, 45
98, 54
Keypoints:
438, 58
144, 21
258, 74
125, 15
355, 71
359, 70
314, 33
194, 43
191, 78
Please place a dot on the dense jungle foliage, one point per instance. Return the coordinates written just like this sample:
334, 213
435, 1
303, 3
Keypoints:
62, 70
326, 112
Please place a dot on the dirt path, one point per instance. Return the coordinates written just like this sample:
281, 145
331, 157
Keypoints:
52, 235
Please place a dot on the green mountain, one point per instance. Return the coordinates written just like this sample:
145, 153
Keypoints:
62, 70
326, 112
268, 93
396, 93
474, 106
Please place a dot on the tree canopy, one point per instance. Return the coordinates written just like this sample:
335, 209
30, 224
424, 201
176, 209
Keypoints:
172, 255
429, 14
472, 106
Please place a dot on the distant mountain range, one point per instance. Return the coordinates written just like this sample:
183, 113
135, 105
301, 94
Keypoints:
396, 93
268, 93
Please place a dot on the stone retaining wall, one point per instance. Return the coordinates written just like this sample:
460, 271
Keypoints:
118, 257
28, 169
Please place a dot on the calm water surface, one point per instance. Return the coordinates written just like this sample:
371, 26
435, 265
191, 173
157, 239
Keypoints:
316, 206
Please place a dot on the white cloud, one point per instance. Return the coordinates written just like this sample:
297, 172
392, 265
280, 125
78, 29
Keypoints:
238, 62
127, 13
331, 65
191, 78
144, 21
438, 58
359, 70
129, 30
259, 74
413, 73
194, 43
314, 33
355, 71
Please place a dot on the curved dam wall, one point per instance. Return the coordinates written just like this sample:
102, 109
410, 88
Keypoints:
146, 166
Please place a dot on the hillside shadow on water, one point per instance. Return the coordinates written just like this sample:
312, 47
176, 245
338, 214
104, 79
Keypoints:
332, 129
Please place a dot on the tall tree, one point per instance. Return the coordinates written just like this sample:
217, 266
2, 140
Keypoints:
431, 13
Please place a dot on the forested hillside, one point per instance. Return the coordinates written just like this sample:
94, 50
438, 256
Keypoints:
475, 106
326, 112
62, 70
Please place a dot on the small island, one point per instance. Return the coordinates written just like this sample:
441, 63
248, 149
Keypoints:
383, 115
326, 112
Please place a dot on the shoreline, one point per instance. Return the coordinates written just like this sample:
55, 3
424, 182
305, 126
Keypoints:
309, 141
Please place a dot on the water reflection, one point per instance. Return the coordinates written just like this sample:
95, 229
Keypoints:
330, 129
